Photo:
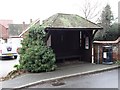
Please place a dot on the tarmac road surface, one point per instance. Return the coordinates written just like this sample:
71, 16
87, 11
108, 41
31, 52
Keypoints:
7, 65
108, 79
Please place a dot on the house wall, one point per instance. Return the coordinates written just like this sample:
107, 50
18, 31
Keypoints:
3, 32
0, 31
1, 41
5, 23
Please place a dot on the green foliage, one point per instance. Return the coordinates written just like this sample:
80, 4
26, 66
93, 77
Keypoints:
106, 17
110, 30
17, 66
112, 34
118, 62
35, 56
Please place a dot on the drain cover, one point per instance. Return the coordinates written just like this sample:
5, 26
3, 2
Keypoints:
58, 83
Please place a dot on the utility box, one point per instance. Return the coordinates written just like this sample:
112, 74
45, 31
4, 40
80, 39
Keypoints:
107, 55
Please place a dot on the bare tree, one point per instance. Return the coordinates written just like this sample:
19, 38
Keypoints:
90, 10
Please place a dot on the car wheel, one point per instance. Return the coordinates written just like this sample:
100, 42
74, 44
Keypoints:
15, 57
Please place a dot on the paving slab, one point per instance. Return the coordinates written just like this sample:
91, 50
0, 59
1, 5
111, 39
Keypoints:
61, 72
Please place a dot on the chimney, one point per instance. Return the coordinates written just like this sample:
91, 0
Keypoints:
23, 26
30, 20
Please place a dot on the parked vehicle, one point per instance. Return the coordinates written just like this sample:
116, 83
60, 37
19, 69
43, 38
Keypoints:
8, 50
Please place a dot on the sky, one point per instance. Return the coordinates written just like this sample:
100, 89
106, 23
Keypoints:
24, 10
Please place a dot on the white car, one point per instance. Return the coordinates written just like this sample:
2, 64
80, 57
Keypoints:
8, 50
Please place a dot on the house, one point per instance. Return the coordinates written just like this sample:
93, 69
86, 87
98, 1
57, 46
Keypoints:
14, 31
27, 29
6, 23
98, 46
4, 35
70, 36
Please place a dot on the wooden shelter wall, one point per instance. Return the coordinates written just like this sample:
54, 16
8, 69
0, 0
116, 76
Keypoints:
65, 43
86, 53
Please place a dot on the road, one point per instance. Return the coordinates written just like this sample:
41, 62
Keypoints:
7, 65
108, 79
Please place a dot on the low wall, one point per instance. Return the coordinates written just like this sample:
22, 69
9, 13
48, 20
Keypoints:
98, 51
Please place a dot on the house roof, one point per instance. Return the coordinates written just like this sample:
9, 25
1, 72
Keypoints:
61, 20
32, 24
6, 22
16, 29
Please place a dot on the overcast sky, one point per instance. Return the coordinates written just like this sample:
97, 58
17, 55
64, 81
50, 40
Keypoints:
24, 10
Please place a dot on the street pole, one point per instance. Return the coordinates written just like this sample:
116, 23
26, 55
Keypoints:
92, 54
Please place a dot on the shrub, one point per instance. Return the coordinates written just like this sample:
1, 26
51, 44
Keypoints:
118, 62
35, 56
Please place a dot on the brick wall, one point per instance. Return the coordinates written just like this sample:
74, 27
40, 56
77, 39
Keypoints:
5, 23
0, 31
3, 32
98, 51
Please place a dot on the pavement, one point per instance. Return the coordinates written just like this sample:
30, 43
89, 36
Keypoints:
67, 71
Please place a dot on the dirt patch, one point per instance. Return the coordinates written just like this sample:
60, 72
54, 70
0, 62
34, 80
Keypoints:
13, 74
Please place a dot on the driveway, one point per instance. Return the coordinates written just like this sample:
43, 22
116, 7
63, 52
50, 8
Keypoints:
7, 65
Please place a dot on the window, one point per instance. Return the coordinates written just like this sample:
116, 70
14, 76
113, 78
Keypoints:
80, 38
87, 43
